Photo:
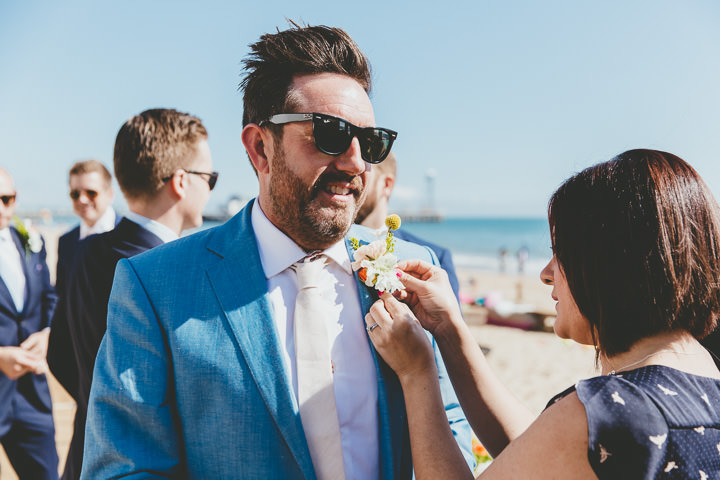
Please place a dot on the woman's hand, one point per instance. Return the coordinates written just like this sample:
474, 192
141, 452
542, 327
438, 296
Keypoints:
428, 293
400, 339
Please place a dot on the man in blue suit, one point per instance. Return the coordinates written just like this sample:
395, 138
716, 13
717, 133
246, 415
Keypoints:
164, 169
198, 375
27, 300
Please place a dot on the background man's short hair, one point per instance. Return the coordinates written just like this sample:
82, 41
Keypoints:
278, 57
153, 145
90, 166
638, 238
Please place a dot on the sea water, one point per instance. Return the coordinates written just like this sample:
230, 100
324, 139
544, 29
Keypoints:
477, 243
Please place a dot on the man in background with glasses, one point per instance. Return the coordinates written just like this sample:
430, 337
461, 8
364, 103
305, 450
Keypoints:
164, 169
204, 371
27, 300
92, 195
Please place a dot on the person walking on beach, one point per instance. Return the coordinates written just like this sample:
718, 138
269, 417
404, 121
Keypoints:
634, 264
27, 301
92, 196
240, 351
164, 169
374, 210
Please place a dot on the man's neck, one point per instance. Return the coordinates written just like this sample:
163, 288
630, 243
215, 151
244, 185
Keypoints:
376, 219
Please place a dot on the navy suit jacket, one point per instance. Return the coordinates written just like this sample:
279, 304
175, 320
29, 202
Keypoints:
443, 254
189, 381
16, 326
68, 246
80, 318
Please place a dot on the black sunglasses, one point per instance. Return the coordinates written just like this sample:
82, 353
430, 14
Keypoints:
333, 135
91, 194
212, 177
8, 200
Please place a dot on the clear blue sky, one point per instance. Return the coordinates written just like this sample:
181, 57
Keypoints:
504, 99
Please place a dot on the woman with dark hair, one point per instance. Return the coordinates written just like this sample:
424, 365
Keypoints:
634, 273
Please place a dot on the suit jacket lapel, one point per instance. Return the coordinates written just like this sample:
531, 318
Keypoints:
241, 288
391, 404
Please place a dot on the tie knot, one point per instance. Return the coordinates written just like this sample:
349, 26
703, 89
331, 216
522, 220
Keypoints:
309, 270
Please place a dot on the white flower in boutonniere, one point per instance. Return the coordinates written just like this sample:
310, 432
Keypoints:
375, 263
30, 237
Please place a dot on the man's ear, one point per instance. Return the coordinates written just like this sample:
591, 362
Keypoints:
176, 185
259, 145
388, 183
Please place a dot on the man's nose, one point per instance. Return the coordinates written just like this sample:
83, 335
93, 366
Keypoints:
351, 161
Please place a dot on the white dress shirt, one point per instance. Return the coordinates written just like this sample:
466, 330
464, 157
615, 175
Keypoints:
11, 269
158, 229
105, 223
355, 380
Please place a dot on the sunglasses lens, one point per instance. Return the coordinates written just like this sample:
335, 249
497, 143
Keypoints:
91, 194
7, 200
213, 180
332, 135
375, 145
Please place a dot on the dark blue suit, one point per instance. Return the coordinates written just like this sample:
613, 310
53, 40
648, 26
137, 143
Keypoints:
442, 253
26, 425
81, 317
68, 247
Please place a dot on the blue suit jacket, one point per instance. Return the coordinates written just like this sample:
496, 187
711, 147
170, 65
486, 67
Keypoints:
16, 326
443, 254
189, 381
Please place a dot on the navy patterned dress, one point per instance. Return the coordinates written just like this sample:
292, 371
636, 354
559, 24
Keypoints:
652, 422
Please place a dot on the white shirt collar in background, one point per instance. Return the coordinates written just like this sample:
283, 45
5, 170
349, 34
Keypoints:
152, 226
105, 223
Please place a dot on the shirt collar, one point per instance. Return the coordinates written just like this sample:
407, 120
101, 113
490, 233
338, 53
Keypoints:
5, 234
161, 231
105, 223
278, 251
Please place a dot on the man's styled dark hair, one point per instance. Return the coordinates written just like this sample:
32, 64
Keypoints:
638, 239
278, 57
151, 146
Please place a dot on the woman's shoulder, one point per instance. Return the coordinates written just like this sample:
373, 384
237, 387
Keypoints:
639, 419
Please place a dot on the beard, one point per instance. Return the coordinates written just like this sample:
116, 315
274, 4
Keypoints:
296, 206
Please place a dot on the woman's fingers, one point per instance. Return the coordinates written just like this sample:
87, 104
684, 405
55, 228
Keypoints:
416, 268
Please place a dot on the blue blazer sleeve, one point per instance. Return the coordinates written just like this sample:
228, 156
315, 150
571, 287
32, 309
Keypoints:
456, 417
131, 392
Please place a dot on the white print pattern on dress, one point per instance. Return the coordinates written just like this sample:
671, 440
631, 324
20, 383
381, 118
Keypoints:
658, 439
670, 466
666, 391
703, 475
700, 430
705, 397
617, 398
604, 454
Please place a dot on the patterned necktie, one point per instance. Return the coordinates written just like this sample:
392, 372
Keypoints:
316, 395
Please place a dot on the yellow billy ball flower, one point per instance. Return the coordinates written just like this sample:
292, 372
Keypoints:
392, 222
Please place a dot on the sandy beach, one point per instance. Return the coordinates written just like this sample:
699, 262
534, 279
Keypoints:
534, 365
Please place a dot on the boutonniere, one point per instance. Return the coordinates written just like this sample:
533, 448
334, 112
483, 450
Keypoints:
30, 237
375, 263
